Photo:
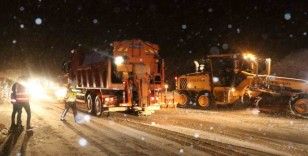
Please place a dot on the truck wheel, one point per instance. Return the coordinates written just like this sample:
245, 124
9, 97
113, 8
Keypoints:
90, 103
183, 100
203, 100
98, 106
299, 106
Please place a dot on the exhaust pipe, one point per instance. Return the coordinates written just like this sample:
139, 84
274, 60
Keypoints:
197, 66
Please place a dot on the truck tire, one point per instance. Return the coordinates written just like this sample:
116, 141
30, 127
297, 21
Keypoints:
299, 106
184, 100
89, 102
203, 100
98, 105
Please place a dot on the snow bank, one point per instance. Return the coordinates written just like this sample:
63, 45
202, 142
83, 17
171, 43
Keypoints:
294, 65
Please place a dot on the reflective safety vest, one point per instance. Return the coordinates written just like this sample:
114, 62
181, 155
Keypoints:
71, 96
19, 94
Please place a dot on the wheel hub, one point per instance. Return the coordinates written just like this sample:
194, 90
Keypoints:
183, 99
203, 101
301, 106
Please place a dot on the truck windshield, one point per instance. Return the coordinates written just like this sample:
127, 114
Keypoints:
223, 70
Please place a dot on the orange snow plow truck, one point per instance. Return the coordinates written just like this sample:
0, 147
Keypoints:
128, 78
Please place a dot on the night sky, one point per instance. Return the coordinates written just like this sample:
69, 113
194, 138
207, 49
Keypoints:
38, 33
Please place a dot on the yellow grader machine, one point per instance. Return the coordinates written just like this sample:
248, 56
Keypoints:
230, 78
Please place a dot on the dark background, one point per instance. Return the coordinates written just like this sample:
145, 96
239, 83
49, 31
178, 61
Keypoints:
184, 29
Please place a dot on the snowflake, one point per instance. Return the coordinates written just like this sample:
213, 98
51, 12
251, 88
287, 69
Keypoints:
238, 30
210, 29
14, 41
305, 33
229, 26
38, 21
79, 8
291, 35
287, 16
210, 10
184, 26
21, 8
22, 26
83, 142
225, 46
189, 51
95, 21
87, 118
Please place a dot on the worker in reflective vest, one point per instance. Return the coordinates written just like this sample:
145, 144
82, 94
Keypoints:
70, 102
20, 99
16, 109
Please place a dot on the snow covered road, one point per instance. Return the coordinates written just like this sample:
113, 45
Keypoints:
167, 132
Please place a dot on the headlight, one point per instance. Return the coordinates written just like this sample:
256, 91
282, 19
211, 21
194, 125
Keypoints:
119, 60
215, 79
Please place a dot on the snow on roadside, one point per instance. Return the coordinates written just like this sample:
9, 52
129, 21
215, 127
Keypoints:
222, 138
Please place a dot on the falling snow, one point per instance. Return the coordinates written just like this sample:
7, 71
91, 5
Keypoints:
83, 142
287, 16
21, 8
229, 26
14, 41
38, 21
184, 26
305, 33
95, 21
210, 10
238, 30
225, 46
22, 26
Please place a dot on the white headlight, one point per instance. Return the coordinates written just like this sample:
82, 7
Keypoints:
119, 60
215, 79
